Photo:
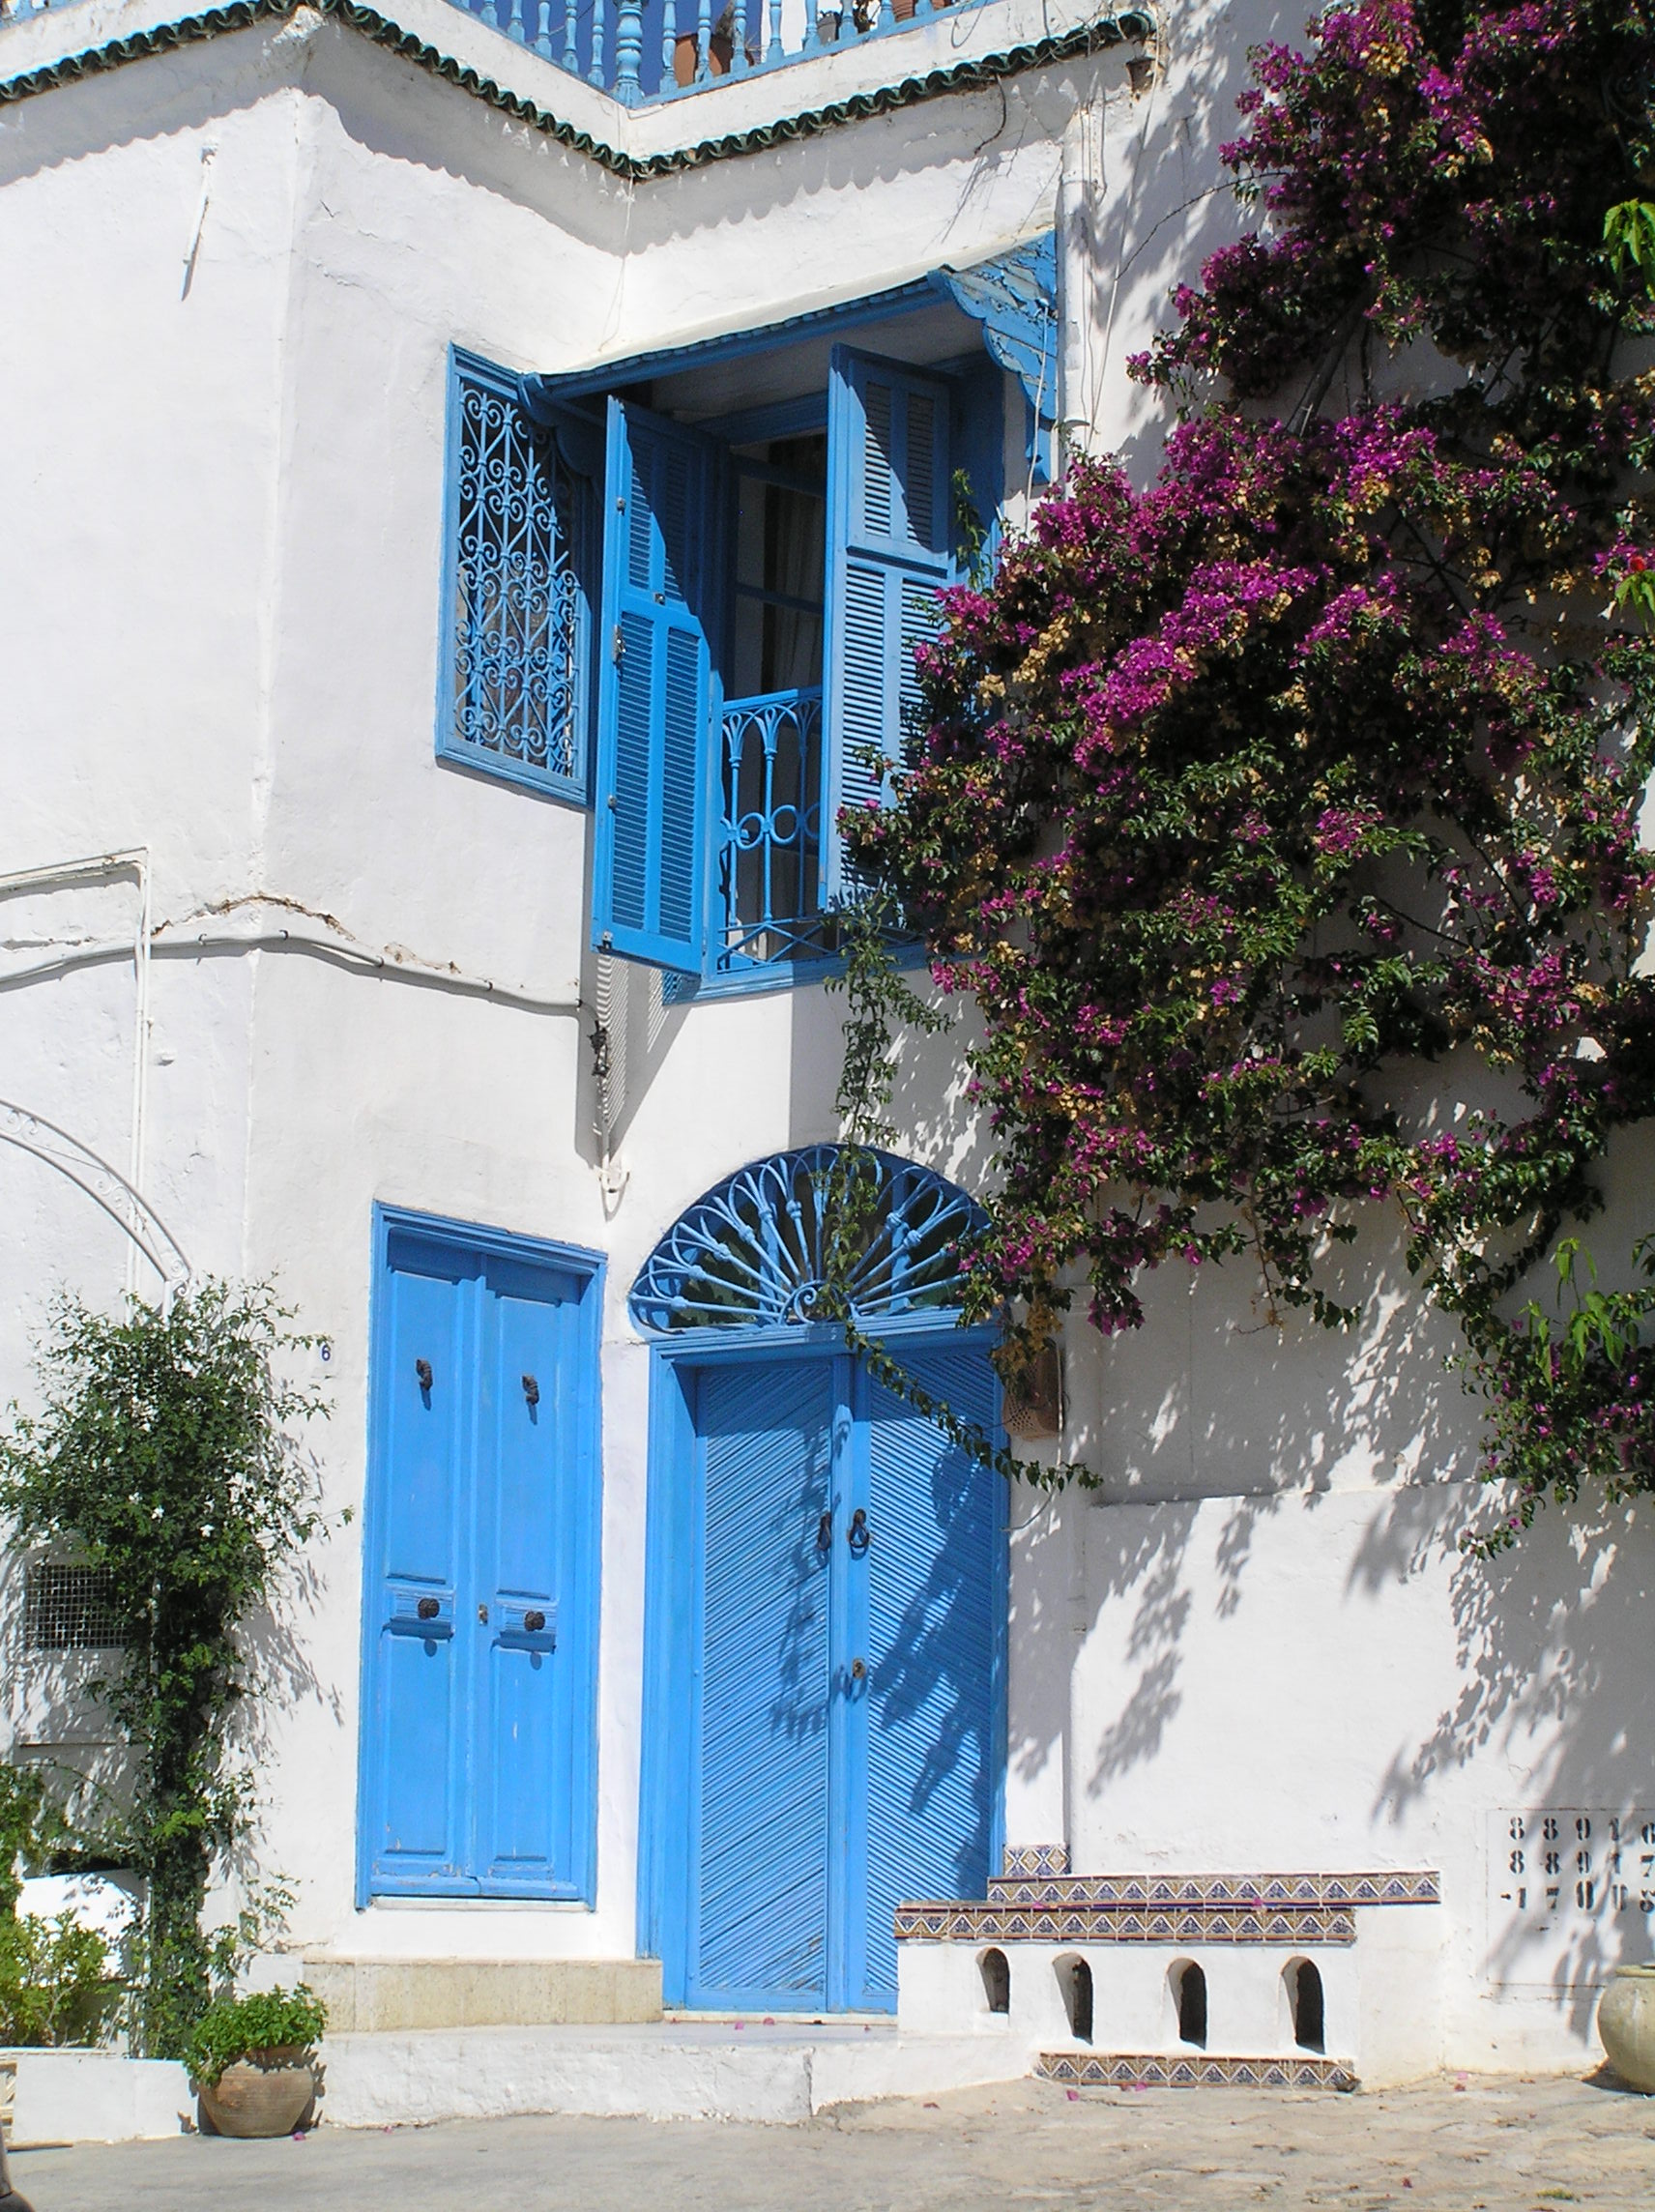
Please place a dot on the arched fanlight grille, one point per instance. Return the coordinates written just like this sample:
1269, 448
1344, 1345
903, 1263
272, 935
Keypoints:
752, 1252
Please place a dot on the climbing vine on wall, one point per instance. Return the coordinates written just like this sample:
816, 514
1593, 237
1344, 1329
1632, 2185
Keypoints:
168, 1454
1282, 817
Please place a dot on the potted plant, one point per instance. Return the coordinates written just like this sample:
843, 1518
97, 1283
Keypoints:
252, 2060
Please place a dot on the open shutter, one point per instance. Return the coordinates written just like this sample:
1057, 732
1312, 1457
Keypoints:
661, 536
888, 535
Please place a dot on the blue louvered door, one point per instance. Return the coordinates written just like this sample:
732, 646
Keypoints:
481, 1584
845, 1679
662, 556
923, 1595
890, 544
759, 1801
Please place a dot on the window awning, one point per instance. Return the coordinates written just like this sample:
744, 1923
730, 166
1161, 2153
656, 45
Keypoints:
1012, 297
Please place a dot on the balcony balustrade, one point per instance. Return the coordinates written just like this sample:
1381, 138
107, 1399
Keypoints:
643, 50
768, 891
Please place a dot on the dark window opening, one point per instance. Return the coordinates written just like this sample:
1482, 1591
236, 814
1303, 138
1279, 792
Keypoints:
781, 551
997, 1980
1074, 1978
1191, 1987
770, 848
1305, 1987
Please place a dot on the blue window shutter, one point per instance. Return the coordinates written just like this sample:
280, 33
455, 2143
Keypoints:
662, 546
889, 534
516, 651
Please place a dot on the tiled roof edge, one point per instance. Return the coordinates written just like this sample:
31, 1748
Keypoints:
1111, 29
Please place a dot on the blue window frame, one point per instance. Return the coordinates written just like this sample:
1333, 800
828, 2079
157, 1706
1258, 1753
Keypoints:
516, 662
764, 590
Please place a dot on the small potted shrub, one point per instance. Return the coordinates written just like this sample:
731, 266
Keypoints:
252, 2060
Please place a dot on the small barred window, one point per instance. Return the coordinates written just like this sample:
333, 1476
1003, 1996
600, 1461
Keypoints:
70, 1609
517, 611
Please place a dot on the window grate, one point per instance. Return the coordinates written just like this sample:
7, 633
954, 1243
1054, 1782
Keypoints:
71, 1609
517, 611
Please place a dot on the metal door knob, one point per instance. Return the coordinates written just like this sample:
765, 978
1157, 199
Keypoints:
858, 1536
859, 1671
533, 1622
427, 1609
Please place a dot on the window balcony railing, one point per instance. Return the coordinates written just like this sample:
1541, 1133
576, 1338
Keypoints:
641, 50
767, 874
654, 49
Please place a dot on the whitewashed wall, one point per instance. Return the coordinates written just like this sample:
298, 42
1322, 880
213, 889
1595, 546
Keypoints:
233, 274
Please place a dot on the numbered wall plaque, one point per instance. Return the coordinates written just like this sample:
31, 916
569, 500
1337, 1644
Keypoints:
1569, 1883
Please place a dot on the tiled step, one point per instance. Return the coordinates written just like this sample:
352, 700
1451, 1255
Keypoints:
1025, 1906
1187, 2070
964, 1922
1223, 1892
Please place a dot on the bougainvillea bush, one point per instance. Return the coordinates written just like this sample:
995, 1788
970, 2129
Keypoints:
1280, 812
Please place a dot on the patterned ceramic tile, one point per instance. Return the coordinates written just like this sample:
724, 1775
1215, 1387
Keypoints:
1250, 1891
1032, 1859
1193, 2070
964, 1922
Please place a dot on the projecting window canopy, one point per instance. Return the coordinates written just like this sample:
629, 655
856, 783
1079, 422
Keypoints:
722, 559
1006, 305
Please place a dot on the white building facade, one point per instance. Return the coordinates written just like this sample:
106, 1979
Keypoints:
466, 514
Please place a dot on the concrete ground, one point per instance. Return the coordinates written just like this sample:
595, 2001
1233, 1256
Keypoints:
1458, 2144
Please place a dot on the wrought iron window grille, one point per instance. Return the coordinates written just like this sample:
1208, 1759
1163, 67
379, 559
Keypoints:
70, 1609
517, 614
753, 1251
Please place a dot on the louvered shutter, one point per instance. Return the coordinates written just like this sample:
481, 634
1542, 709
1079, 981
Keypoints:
661, 553
890, 538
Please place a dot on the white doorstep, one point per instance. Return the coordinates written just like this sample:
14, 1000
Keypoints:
674, 2070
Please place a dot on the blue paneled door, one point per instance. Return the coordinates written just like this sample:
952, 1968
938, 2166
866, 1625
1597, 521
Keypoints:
846, 1675
480, 1575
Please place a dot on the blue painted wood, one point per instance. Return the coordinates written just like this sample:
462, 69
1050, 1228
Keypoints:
421, 1670
923, 1597
514, 657
479, 1733
889, 537
760, 1804
785, 1798
525, 1805
662, 550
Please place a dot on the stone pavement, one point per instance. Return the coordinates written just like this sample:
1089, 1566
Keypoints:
1495, 2145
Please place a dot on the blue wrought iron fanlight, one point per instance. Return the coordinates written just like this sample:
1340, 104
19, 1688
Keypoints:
751, 1252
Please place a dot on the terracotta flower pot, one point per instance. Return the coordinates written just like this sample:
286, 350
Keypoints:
267, 2093
1626, 2025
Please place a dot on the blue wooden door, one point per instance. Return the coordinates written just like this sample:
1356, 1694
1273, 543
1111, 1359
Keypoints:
759, 1884
415, 1748
924, 1591
848, 1676
481, 1575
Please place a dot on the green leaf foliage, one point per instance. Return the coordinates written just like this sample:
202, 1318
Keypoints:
168, 1454
1281, 815
232, 2029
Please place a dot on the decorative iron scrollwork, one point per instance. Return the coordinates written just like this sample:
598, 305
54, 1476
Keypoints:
752, 1252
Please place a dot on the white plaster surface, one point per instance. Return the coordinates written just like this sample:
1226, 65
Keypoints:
96, 2096
233, 273
677, 2071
